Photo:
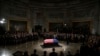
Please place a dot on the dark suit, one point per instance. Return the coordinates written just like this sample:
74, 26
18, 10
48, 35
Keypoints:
53, 54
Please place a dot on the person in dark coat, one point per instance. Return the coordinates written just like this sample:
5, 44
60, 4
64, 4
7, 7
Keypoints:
61, 53
34, 53
25, 53
45, 53
53, 53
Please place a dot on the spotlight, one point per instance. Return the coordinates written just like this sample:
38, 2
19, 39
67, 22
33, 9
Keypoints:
5, 52
2, 22
3, 19
64, 24
3, 55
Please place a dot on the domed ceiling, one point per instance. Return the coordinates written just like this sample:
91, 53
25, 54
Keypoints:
52, 1
58, 1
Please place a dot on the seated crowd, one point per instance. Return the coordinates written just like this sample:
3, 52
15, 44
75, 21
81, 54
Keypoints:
90, 43
22, 37
10, 38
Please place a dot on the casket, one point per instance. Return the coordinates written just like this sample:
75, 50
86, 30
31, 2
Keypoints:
48, 42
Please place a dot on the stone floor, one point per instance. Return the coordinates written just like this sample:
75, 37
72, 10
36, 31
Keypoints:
30, 46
